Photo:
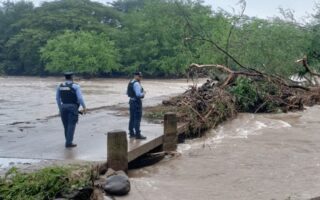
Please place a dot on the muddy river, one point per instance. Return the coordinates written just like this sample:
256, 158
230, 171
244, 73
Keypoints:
25, 99
253, 157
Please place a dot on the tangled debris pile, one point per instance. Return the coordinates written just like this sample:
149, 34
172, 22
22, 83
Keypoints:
228, 92
203, 107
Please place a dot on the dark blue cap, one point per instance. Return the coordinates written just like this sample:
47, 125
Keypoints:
138, 73
68, 74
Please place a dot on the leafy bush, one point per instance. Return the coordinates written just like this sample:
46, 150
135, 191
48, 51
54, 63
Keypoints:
254, 96
245, 93
83, 52
43, 184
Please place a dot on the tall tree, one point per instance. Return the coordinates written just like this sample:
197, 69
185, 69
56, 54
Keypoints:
27, 31
83, 52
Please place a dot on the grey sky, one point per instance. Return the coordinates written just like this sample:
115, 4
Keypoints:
268, 8
258, 8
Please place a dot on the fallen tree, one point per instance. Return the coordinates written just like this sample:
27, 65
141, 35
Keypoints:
228, 92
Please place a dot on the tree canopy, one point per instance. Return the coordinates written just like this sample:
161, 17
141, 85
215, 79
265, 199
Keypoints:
158, 37
83, 52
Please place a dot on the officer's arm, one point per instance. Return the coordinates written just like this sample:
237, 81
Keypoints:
137, 90
79, 96
58, 100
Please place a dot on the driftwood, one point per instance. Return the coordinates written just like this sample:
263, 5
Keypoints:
206, 106
203, 107
313, 79
234, 74
305, 64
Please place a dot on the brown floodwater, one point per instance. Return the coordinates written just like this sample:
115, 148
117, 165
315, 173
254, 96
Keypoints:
24, 99
253, 157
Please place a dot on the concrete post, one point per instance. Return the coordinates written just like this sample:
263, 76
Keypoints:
117, 150
170, 137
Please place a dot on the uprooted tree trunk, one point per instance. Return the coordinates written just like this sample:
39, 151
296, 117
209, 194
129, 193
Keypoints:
230, 91
309, 74
285, 88
219, 99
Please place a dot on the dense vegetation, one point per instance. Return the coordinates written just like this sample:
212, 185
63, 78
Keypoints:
158, 37
43, 184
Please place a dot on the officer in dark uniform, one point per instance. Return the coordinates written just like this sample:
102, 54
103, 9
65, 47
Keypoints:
136, 94
69, 98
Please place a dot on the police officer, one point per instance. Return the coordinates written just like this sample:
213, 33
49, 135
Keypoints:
69, 98
136, 94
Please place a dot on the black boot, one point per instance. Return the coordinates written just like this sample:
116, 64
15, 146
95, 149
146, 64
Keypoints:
141, 137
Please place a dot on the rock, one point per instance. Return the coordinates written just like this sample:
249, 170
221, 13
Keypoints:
110, 172
101, 181
117, 184
97, 194
122, 173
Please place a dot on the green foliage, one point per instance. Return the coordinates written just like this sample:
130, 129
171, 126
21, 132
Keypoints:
158, 37
27, 28
270, 46
245, 93
252, 96
82, 52
43, 184
152, 38
24, 49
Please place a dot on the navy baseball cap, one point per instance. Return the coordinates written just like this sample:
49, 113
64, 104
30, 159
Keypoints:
138, 73
68, 74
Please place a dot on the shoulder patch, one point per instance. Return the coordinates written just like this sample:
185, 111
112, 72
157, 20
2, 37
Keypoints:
63, 88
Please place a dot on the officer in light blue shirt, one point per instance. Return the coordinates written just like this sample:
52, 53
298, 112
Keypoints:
136, 93
69, 98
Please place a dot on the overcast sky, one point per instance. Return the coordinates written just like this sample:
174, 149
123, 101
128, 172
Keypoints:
268, 8
258, 8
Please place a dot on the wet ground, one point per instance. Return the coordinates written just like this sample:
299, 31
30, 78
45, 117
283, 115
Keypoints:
253, 157
45, 141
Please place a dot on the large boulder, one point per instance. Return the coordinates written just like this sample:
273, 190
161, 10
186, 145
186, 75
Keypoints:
117, 184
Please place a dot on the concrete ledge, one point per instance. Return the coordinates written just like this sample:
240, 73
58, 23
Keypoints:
136, 151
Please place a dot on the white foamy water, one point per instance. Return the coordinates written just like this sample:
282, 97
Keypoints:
183, 147
244, 126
